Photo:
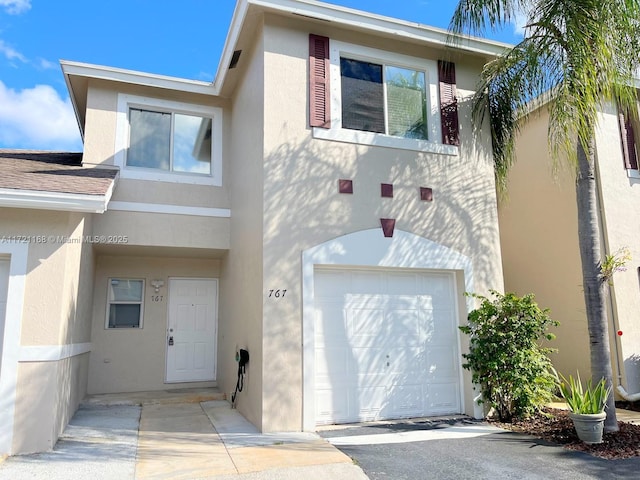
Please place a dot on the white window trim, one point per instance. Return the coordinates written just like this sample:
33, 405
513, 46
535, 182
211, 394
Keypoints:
631, 173
106, 321
126, 101
18, 254
357, 52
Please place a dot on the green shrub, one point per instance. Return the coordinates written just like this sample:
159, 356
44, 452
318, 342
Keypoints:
505, 357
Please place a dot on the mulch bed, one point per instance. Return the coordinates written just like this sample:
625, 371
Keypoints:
554, 425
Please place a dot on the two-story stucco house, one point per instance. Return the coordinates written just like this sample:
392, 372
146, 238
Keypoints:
539, 231
324, 204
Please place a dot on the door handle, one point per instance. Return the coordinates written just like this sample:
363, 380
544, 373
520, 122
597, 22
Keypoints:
171, 340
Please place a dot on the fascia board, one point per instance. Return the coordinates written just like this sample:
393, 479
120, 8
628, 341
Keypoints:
71, 202
351, 18
137, 78
72, 96
379, 23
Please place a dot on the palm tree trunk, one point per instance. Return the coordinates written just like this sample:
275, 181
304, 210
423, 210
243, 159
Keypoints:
593, 285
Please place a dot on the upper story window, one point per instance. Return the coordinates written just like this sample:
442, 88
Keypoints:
368, 96
629, 144
383, 99
168, 141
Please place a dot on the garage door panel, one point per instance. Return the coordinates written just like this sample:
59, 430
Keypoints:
443, 329
403, 284
328, 362
370, 402
382, 339
331, 324
332, 405
406, 361
367, 282
442, 363
406, 324
438, 286
330, 284
406, 400
442, 397
366, 325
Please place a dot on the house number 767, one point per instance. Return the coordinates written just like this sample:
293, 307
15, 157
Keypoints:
277, 293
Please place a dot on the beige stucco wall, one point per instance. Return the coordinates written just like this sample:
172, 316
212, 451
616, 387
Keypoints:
302, 207
102, 102
539, 234
620, 196
242, 278
57, 297
163, 230
130, 360
155, 228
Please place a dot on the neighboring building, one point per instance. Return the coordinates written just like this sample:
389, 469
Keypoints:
539, 237
324, 203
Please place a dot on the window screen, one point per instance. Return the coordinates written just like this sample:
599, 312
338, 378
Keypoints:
125, 303
362, 96
149, 139
406, 103
383, 99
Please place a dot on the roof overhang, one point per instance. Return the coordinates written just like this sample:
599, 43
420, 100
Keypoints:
42, 200
77, 75
351, 19
246, 12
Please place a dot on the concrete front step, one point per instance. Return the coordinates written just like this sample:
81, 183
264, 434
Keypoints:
156, 397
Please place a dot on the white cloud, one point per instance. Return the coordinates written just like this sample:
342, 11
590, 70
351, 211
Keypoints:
45, 64
10, 52
15, 7
37, 118
519, 22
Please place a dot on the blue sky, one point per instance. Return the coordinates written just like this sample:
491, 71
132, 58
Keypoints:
181, 39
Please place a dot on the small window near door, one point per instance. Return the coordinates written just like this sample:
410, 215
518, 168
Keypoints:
124, 306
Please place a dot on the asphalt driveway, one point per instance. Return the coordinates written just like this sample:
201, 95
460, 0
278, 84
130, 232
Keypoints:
462, 449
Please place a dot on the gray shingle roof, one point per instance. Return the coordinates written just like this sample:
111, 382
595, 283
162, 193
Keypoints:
59, 172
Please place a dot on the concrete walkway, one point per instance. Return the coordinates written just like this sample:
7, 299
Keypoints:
193, 434
169, 438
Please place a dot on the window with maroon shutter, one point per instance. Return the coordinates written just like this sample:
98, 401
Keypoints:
627, 136
319, 111
382, 98
448, 103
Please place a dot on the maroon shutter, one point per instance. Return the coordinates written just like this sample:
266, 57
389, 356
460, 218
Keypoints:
319, 113
448, 103
627, 137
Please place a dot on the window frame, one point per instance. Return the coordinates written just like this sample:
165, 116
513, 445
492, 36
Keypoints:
123, 128
623, 118
109, 303
433, 144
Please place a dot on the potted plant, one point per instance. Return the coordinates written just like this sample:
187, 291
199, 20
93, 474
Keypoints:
586, 406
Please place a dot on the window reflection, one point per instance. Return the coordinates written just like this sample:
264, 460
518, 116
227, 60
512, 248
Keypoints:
169, 141
192, 144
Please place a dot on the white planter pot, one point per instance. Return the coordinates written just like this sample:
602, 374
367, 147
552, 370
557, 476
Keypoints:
589, 426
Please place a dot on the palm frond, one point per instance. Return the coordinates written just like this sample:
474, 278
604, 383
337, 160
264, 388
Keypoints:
578, 54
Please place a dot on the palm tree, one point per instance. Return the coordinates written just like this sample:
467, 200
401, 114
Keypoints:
576, 54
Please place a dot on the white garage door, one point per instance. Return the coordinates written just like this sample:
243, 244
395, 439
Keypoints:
386, 345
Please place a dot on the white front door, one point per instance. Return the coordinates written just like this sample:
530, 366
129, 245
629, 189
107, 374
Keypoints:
4, 288
192, 330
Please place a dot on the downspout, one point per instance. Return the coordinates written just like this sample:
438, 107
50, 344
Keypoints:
612, 312
629, 397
